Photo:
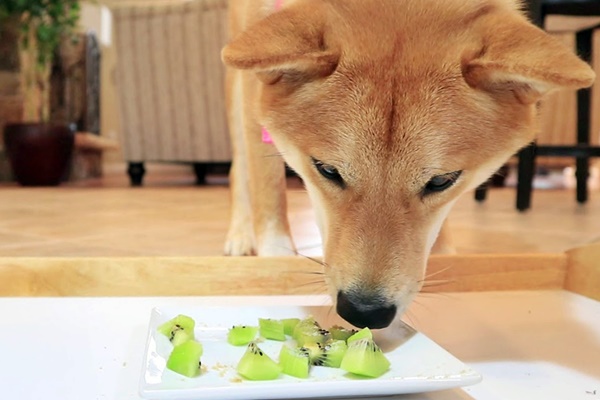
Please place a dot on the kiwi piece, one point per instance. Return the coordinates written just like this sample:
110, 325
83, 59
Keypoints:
364, 333
289, 324
185, 358
365, 358
271, 329
341, 333
294, 361
309, 331
180, 323
314, 352
241, 335
329, 354
181, 336
255, 365
332, 353
305, 324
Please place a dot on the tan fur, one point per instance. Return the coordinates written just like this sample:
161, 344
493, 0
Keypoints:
391, 93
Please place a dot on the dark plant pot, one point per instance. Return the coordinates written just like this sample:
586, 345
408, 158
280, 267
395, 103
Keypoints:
39, 154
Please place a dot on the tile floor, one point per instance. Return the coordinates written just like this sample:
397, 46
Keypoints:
170, 216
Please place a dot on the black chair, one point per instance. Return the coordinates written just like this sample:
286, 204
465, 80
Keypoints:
582, 150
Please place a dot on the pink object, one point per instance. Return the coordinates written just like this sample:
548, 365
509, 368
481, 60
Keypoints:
266, 136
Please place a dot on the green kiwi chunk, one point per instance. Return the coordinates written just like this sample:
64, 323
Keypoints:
309, 331
294, 361
241, 335
257, 366
185, 358
181, 336
314, 351
271, 329
365, 358
364, 333
289, 324
341, 333
332, 353
179, 329
329, 354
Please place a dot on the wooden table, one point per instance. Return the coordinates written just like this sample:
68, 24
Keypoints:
76, 328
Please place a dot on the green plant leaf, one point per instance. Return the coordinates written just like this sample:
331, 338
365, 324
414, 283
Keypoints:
42, 25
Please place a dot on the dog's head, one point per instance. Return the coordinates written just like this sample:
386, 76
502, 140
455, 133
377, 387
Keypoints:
389, 110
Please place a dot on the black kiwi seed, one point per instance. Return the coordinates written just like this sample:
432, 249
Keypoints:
304, 351
176, 328
255, 349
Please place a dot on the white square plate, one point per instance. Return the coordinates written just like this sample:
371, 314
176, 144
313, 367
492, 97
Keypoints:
417, 363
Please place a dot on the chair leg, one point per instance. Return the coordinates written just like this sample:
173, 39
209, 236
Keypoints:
584, 49
525, 172
526, 163
136, 173
200, 171
581, 176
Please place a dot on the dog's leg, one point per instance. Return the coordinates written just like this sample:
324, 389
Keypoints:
443, 244
266, 181
240, 238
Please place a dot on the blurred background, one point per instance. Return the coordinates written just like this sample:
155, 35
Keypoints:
139, 84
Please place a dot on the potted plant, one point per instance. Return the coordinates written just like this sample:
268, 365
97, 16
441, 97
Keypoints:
39, 151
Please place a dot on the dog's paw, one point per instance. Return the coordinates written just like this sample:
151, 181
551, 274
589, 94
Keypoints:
239, 244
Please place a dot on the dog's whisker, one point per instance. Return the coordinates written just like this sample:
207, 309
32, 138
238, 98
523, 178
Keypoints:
319, 286
310, 283
435, 273
320, 273
412, 318
310, 289
309, 292
426, 294
329, 312
310, 246
312, 259
296, 252
320, 262
439, 282
416, 302
326, 301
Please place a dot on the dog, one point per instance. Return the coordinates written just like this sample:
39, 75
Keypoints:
388, 110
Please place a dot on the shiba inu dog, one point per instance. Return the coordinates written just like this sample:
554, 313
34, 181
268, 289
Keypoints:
389, 110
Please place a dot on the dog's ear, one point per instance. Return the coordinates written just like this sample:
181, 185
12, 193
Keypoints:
520, 58
290, 42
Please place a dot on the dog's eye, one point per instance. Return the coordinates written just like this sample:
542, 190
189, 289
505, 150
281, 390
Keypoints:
440, 183
330, 172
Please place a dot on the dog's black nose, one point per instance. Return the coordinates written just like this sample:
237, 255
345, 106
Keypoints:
365, 311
